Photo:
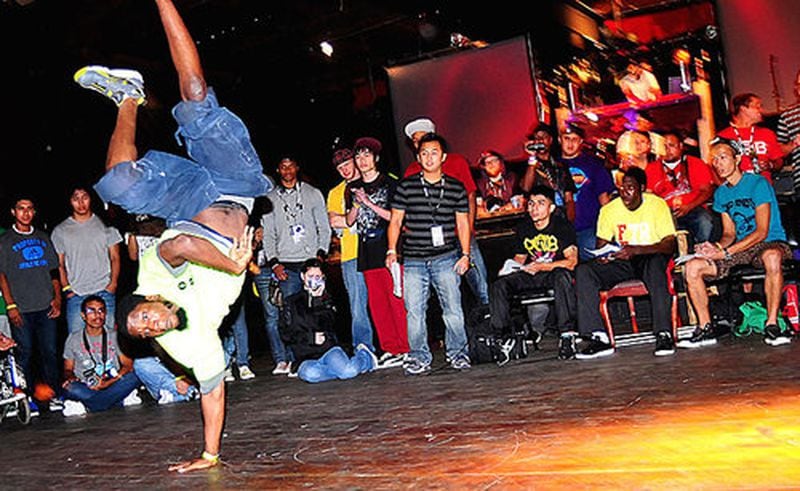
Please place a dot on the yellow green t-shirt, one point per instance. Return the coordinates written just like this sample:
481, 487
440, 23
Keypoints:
205, 294
646, 225
349, 235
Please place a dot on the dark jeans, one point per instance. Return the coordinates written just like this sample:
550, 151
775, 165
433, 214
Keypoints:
100, 400
42, 332
560, 280
594, 276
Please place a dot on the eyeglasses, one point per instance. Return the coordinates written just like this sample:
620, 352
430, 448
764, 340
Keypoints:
94, 310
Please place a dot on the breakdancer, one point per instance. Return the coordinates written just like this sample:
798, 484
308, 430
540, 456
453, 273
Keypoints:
200, 260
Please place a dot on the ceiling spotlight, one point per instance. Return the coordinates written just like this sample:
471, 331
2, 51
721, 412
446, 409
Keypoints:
327, 48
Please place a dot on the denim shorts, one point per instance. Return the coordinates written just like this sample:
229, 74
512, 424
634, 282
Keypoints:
222, 161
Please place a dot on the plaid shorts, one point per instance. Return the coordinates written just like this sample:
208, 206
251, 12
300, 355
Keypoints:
751, 256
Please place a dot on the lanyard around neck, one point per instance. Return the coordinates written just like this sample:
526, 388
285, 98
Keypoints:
89, 347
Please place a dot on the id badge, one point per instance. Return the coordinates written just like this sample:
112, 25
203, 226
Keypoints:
297, 232
437, 234
319, 338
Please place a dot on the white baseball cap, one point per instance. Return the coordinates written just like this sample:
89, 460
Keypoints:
420, 124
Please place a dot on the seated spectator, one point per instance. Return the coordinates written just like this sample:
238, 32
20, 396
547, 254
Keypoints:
633, 150
760, 151
685, 183
544, 247
641, 225
308, 328
6, 343
162, 384
751, 234
496, 184
97, 374
544, 169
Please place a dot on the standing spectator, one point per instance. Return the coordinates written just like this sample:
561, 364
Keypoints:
296, 230
457, 167
593, 187
29, 281
98, 376
354, 282
686, 184
789, 139
367, 201
761, 151
434, 210
545, 170
88, 257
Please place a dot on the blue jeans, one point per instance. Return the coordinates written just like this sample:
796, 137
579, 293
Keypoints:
699, 223
280, 353
43, 332
335, 364
586, 240
357, 296
74, 320
236, 340
172, 187
418, 276
476, 274
100, 400
156, 377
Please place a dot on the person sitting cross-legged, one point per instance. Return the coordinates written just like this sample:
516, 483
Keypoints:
98, 376
751, 234
308, 328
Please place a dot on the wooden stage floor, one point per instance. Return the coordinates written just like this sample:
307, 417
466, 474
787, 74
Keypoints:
717, 418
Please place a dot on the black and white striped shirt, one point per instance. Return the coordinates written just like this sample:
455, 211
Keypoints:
788, 128
427, 205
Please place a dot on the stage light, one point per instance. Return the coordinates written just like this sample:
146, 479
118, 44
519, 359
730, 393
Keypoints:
592, 116
327, 48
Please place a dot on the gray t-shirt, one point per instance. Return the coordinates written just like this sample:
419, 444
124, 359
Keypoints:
85, 248
27, 260
89, 367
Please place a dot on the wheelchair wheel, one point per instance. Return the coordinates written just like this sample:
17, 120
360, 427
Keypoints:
23, 411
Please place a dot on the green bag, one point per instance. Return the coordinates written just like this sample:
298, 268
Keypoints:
754, 319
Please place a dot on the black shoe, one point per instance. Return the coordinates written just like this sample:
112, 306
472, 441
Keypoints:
596, 349
702, 336
664, 344
774, 336
566, 346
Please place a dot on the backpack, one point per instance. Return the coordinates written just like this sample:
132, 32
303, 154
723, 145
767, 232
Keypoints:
486, 345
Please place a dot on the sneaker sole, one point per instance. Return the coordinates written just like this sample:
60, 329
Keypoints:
777, 341
664, 352
123, 76
685, 343
599, 354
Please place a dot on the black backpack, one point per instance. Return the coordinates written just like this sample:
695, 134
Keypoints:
487, 345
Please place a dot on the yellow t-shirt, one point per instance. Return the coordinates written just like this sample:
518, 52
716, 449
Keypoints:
349, 235
647, 225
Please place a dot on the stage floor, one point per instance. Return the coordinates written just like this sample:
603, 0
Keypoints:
717, 418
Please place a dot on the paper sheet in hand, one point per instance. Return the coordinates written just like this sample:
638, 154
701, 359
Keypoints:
397, 280
686, 258
510, 266
604, 251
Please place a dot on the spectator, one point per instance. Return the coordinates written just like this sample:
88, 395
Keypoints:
162, 384
434, 212
593, 186
30, 286
545, 170
641, 225
751, 234
144, 233
457, 167
761, 152
639, 84
98, 376
544, 247
496, 184
686, 184
354, 283
88, 256
308, 327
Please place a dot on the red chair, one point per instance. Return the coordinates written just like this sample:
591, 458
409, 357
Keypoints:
637, 288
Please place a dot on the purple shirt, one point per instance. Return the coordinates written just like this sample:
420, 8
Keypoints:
591, 180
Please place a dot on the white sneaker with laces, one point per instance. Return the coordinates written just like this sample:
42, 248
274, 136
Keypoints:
132, 399
245, 373
282, 368
73, 408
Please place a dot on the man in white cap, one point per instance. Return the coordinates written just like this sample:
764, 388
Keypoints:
457, 167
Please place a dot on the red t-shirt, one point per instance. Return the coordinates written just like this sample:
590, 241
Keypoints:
680, 185
455, 166
762, 140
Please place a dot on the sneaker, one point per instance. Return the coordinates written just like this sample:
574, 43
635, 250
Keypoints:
389, 360
506, 347
597, 349
282, 368
363, 347
536, 337
460, 362
229, 375
34, 407
117, 84
412, 366
245, 373
292, 375
165, 397
774, 336
702, 336
132, 399
73, 408
55, 405
664, 344
566, 346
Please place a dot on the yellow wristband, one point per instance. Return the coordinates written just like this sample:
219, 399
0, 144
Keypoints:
66, 288
210, 457
11, 306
